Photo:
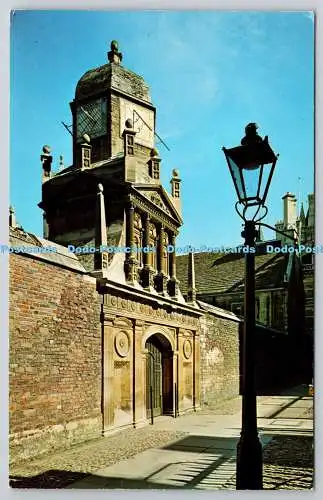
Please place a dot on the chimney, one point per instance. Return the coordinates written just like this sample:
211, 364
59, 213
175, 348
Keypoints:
290, 212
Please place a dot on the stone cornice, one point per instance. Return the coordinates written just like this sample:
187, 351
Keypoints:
136, 100
125, 292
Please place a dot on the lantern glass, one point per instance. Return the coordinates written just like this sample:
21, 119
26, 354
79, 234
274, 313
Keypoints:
251, 179
237, 178
251, 168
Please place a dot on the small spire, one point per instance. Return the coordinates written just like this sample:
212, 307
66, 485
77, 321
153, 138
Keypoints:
12, 217
85, 152
101, 257
114, 56
260, 235
191, 289
175, 184
61, 163
46, 159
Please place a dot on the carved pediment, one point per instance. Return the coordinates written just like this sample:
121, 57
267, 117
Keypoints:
160, 198
157, 200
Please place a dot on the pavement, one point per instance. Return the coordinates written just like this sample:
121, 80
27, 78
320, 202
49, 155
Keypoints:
205, 456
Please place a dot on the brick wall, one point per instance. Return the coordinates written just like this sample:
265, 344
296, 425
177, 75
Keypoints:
55, 357
219, 359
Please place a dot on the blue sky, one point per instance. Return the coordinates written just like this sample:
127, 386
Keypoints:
210, 73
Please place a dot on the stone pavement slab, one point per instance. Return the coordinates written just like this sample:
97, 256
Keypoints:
205, 458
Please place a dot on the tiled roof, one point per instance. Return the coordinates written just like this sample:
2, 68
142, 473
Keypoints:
224, 272
218, 311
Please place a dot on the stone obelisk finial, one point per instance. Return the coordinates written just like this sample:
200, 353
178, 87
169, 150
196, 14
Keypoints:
191, 289
100, 256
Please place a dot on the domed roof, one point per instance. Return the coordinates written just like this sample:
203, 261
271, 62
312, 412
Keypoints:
112, 76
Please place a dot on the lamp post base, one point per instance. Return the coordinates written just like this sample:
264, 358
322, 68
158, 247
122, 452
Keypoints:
249, 462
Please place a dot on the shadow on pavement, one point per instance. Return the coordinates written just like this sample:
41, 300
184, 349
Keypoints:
49, 479
288, 463
204, 444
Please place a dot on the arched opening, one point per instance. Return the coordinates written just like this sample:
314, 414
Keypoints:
159, 379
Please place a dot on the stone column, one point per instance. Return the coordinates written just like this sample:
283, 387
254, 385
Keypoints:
173, 281
160, 249
139, 385
146, 255
196, 369
161, 278
180, 371
175, 380
131, 264
147, 272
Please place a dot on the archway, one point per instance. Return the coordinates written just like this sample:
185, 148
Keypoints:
159, 376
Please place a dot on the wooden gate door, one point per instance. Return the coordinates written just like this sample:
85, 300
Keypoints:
154, 380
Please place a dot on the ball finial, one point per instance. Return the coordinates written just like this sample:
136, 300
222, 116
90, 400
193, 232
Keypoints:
114, 56
86, 138
128, 123
46, 149
114, 45
100, 188
154, 152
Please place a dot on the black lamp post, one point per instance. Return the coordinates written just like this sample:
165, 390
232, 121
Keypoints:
251, 166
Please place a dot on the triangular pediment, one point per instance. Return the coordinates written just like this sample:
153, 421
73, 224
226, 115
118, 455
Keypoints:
159, 197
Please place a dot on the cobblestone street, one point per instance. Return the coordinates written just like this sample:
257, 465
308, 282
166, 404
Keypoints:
193, 451
65, 467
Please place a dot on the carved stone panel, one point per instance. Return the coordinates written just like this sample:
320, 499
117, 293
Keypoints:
122, 344
187, 348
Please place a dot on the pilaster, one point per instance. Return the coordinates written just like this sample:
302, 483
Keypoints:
139, 375
108, 371
131, 263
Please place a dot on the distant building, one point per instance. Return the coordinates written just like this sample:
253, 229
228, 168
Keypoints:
279, 292
302, 227
284, 287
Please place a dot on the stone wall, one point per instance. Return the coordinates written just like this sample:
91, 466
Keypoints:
220, 369
55, 357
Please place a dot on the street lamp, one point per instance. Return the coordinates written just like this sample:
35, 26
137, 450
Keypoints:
251, 166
